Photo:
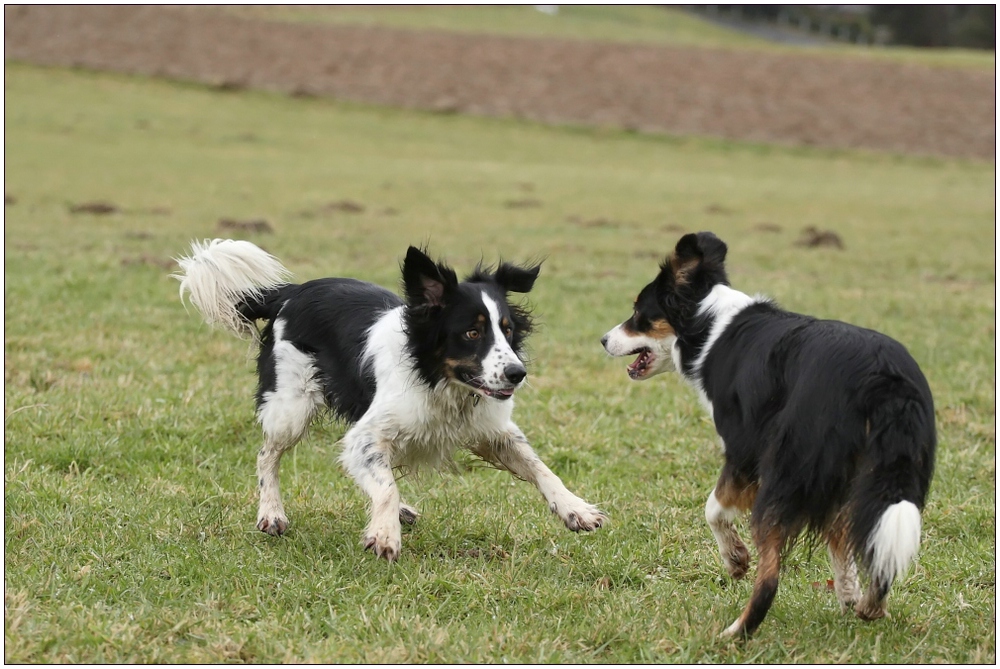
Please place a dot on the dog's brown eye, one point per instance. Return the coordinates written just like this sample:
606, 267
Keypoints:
472, 334
508, 331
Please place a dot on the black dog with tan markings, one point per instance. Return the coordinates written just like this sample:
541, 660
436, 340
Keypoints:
828, 428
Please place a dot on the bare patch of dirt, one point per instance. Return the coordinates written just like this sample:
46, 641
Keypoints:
799, 99
815, 238
525, 203
718, 210
97, 208
345, 206
767, 227
256, 225
148, 260
599, 222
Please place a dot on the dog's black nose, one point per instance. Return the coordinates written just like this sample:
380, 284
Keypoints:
604, 341
515, 373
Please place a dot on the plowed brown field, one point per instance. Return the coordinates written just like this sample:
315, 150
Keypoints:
746, 95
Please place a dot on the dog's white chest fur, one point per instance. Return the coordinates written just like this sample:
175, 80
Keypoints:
425, 425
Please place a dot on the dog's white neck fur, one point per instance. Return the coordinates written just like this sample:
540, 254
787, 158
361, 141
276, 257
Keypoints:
722, 304
425, 424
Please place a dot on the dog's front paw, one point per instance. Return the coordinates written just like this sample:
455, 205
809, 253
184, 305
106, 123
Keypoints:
385, 542
273, 524
582, 517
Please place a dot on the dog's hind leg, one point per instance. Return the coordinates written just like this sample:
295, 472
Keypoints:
512, 452
769, 548
284, 411
366, 457
845, 569
271, 516
284, 422
731, 496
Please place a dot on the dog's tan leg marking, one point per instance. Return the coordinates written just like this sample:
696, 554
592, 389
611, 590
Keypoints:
731, 496
367, 459
769, 548
845, 570
511, 451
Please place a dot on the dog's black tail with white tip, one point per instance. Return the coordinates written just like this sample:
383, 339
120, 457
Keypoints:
222, 276
889, 494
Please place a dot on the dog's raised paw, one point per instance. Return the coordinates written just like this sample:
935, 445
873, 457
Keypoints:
275, 526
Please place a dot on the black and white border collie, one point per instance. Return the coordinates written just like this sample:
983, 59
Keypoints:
827, 428
418, 377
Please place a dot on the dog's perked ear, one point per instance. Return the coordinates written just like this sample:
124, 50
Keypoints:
702, 250
514, 279
701, 246
424, 281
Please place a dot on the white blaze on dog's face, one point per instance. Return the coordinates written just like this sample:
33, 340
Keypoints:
647, 334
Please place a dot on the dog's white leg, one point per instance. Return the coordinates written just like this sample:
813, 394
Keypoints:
271, 516
366, 458
512, 452
845, 570
284, 419
284, 413
734, 552
845, 579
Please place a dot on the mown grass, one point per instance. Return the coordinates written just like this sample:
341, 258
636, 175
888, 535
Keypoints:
629, 24
129, 438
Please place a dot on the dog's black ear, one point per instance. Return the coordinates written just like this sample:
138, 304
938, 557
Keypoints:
514, 279
694, 250
688, 248
425, 282
701, 246
713, 249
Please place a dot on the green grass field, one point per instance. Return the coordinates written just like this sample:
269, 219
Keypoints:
129, 433
630, 24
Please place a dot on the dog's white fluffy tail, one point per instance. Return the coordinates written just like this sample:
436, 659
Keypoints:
894, 541
221, 273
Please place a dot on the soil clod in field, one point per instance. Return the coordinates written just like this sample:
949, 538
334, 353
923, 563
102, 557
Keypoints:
258, 225
815, 238
97, 208
718, 209
599, 222
525, 203
767, 227
148, 260
229, 85
347, 206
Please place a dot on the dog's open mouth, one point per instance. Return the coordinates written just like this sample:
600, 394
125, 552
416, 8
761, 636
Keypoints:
642, 364
497, 393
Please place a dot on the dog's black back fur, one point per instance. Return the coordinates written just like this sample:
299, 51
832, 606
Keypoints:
328, 319
832, 412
